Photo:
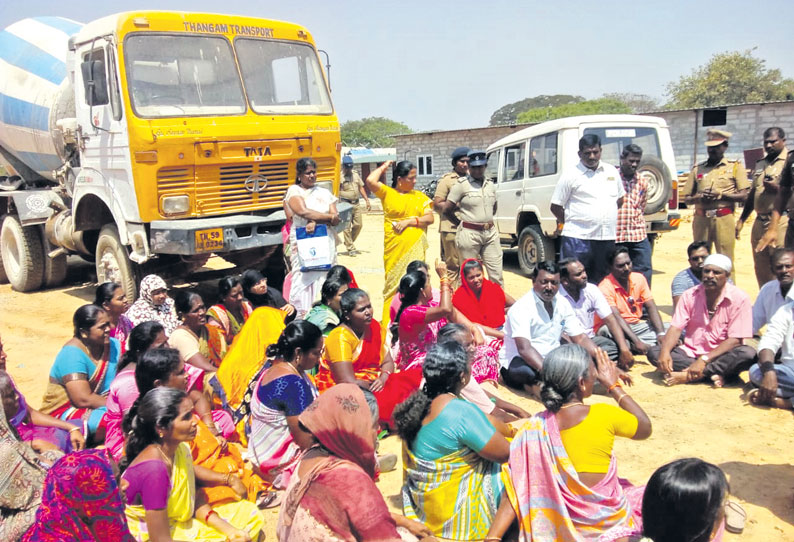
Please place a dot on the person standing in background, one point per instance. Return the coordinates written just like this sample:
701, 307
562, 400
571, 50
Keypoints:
350, 188
632, 232
446, 210
766, 184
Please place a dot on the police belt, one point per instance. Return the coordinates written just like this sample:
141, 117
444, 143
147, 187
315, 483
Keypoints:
478, 226
714, 213
350, 201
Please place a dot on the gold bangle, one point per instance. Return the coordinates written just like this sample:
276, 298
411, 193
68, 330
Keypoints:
228, 478
621, 398
76, 429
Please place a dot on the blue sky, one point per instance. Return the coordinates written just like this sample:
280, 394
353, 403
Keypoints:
445, 65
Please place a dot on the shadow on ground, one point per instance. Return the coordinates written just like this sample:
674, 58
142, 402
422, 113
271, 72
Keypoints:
769, 486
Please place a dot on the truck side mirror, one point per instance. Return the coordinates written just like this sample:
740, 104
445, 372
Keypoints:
94, 82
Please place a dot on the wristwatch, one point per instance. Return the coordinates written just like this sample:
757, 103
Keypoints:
704, 358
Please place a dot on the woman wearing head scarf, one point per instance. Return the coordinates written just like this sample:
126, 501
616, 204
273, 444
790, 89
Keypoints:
81, 501
332, 495
154, 304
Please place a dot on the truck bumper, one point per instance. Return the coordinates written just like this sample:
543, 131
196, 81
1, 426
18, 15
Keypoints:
189, 236
673, 221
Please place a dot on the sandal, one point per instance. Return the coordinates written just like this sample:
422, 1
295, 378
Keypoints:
268, 499
735, 517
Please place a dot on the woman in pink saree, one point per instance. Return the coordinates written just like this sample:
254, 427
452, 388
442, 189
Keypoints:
563, 483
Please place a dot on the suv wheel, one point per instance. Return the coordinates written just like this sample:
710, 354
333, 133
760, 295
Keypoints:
533, 247
660, 183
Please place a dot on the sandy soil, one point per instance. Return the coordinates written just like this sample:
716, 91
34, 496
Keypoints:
752, 445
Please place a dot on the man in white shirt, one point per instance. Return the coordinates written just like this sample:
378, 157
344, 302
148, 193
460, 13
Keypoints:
586, 201
774, 293
587, 301
534, 326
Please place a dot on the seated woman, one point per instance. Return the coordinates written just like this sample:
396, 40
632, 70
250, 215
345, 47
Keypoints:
416, 265
236, 379
232, 311
153, 303
332, 496
259, 294
563, 482
481, 301
233, 479
162, 503
22, 473
342, 273
42, 431
354, 354
275, 442
201, 346
685, 500
123, 389
83, 370
452, 455
67, 515
325, 313
111, 297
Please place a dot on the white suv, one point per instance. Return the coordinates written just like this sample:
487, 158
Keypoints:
527, 164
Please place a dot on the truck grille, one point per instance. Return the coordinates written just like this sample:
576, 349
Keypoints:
220, 189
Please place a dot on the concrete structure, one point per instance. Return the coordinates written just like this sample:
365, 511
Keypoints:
687, 131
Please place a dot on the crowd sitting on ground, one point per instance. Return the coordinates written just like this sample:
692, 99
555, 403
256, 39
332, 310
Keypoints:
183, 421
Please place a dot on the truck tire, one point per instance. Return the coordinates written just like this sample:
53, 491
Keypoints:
113, 263
54, 268
533, 247
3, 276
22, 254
660, 183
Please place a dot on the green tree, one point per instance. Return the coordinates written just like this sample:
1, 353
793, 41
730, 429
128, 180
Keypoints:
588, 107
730, 78
372, 132
508, 114
638, 103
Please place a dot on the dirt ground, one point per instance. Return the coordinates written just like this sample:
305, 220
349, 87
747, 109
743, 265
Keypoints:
753, 446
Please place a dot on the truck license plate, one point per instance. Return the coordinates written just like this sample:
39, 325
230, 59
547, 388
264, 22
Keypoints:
209, 240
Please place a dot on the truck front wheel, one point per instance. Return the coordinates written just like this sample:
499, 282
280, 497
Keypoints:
533, 247
22, 254
113, 263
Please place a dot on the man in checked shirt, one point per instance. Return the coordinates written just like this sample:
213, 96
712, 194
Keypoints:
631, 231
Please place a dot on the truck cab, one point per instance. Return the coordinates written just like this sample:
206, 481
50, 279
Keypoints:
527, 164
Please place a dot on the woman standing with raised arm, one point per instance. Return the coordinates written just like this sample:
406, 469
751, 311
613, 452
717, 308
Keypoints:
406, 215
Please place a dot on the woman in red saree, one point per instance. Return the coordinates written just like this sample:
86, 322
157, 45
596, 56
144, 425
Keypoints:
481, 301
354, 353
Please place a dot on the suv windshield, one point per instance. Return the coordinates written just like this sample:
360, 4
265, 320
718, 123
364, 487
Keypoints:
282, 77
613, 140
182, 75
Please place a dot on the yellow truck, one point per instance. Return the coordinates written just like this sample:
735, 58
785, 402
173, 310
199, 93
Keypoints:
147, 141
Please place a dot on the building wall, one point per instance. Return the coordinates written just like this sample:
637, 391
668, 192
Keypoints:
746, 122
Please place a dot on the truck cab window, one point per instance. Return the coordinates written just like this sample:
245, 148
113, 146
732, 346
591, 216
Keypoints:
543, 155
113, 79
514, 162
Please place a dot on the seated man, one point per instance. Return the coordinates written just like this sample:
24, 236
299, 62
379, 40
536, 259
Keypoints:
697, 253
773, 294
775, 381
717, 317
534, 326
587, 302
474, 392
627, 293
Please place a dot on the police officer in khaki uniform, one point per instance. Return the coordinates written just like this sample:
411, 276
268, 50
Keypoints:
350, 188
475, 199
714, 187
449, 222
766, 184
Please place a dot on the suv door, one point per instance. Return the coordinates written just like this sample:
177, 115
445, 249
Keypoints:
543, 175
510, 189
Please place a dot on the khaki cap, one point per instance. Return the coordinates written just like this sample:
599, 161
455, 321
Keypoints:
717, 137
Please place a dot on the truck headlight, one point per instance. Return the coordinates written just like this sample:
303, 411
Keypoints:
175, 205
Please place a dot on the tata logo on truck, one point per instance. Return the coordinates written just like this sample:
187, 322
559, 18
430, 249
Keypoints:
256, 183
257, 151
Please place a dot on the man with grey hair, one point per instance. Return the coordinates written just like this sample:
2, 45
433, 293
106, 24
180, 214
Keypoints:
717, 317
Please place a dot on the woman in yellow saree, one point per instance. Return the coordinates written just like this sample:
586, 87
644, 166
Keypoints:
237, 376
406, 215
161, 499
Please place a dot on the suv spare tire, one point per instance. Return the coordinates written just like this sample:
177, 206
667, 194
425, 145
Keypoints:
659, 183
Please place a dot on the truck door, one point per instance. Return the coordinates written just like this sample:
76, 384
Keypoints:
105, 160
510, 189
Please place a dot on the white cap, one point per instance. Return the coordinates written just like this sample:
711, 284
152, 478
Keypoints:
719, 260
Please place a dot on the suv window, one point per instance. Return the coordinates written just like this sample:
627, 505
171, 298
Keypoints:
492, 169
543, 155
613, 140
514, 162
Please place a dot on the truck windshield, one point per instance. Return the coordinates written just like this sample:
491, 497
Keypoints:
282, 77
613, 140
172, 76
